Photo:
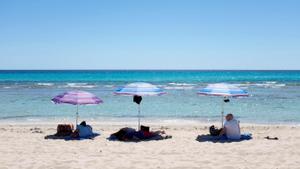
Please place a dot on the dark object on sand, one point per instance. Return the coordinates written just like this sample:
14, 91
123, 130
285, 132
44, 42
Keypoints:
145, 128
130, 134
67, 132
226, 100
83, 123
137, 99
64, 130
271, 138
124, 134
222, 139
214, 131
68, 138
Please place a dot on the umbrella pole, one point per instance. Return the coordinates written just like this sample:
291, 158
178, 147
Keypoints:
222, 116
77, 116
139, 117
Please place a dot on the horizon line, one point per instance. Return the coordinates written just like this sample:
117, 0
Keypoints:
149, 69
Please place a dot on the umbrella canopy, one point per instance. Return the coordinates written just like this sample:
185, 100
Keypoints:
139, 89
223, 89
77, 98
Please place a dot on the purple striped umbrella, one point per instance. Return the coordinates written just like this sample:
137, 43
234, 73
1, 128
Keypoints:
77, 98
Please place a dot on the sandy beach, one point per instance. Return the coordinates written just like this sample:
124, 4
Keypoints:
177, 67
24, 146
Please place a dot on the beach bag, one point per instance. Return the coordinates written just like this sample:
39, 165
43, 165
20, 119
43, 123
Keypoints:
145, 128
214, 131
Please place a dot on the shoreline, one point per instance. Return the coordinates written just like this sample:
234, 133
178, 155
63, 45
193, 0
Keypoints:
133, 124
133, 121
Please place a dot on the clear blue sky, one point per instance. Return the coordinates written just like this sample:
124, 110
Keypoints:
153, 34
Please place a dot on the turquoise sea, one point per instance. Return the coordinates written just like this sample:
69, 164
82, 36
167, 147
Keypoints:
275, 95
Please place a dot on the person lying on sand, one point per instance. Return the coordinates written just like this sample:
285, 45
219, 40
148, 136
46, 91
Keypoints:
130, 134
83, 130
231, 128
146, 134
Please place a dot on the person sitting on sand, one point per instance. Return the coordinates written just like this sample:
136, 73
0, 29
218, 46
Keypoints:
83, 130
231, 128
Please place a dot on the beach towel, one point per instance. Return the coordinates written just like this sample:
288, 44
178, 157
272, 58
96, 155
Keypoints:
68, 138
84, 138
222, 139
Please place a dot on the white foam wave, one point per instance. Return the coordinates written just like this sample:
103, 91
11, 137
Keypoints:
182, 84
79, 85
45, 84
179, 87
269, 84
109, 86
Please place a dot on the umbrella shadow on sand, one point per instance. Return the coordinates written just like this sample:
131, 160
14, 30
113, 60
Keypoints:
221, 139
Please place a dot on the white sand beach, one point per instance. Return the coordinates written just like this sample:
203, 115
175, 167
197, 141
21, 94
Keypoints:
24, 146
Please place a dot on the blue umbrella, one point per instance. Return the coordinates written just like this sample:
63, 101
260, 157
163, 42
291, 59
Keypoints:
225, 90
140, 89
137, 90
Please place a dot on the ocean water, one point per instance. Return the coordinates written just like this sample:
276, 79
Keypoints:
275, 95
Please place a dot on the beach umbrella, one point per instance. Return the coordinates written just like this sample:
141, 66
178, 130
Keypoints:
77, 98
137, 90
225, 90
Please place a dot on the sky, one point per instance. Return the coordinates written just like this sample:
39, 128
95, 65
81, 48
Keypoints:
150, 34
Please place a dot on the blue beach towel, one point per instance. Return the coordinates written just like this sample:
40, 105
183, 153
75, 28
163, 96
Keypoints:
69, 138
222, 139
83, 138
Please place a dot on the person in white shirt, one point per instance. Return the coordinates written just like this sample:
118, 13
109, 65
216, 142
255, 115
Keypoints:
231, 128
